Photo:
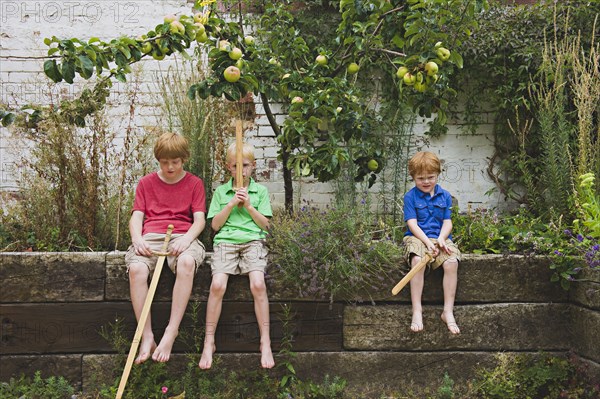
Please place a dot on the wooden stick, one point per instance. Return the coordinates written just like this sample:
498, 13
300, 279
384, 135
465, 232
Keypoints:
239, 155
426, 259
144, 315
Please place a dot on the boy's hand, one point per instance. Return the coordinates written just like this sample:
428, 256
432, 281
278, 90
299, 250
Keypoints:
242, 197
433, 249
142, 248
441, 244
179, 246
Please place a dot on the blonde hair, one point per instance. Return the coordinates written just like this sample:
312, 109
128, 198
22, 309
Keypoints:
424, 162
171, 146
247, 152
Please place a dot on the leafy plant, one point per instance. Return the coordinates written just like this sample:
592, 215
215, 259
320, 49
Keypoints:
523, 376
37, 388
332, 253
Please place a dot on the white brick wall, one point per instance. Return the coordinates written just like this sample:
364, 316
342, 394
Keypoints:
24, 25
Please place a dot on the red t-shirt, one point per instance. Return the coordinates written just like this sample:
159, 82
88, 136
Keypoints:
163, 203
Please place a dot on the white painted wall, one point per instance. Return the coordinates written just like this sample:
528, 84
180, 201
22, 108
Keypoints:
24, 25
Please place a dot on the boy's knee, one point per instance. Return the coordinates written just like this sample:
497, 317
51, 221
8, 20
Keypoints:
218, 288
138, 271
258, 287
186, 266
450, 265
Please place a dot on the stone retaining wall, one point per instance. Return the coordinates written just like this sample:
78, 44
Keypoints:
53, 305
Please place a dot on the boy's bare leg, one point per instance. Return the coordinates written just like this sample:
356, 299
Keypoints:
416, 292
213, 312
261, 309
138, 288
449, 284
182, 289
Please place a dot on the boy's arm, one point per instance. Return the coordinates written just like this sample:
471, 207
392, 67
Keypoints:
193, 232
136, 222
220, 218
444, 233
414, 228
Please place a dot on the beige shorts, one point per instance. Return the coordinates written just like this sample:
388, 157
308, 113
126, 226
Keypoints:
414, 246
156, 241
240, 258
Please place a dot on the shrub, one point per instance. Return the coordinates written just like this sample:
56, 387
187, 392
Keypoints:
36, 388
332, 252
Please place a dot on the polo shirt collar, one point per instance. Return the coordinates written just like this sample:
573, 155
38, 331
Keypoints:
252, 187
436, 191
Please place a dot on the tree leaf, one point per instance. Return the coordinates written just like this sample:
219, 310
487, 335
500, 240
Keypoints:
51, 70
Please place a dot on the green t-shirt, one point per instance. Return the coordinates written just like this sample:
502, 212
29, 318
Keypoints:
240, 227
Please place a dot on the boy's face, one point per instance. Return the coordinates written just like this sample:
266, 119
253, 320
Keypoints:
426, 181
171, 169
248, 168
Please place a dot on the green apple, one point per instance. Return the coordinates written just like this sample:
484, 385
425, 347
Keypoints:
420, 86
401, 72
339, 109
177, 27
353, 68
232, 74
235, 53
297, 100
201, 37
199, 17
146, 47
240, 63
419, 77
158, 55
249, 40
321, 60
224, 45
200, 28
443, 53
169, 18
409, 79
373, 165
274, 61
431, 68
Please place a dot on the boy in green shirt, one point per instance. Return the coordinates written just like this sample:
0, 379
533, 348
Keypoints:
240, 218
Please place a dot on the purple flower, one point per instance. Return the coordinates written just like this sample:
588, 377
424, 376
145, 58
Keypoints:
596, 247
557, 252
579, 237
568, 232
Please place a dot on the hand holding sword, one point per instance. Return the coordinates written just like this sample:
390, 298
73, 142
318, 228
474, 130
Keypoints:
429, 257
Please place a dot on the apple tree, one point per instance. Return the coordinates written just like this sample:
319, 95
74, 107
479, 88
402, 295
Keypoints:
326, 84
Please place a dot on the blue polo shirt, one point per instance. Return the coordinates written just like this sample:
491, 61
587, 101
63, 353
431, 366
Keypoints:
430, 211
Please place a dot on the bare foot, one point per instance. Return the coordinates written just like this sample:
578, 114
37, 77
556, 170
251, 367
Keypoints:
417, 322
163, 351
266, 356
146, 348
448, 318
207, 356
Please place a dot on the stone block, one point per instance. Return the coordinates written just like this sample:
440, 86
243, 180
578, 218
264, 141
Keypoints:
585, 330
52, 277
493, 327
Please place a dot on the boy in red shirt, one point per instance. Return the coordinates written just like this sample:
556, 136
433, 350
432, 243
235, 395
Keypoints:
169, 196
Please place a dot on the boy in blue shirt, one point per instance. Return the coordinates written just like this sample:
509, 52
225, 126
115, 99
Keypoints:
427, 212
241, 219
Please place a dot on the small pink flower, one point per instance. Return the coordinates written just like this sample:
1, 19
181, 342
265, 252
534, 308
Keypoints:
164, 389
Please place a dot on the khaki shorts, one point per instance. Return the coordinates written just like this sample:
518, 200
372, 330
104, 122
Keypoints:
156, 241
414, 246
240, 258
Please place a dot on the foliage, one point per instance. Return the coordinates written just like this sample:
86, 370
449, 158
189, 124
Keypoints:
338, 123
572, 255
536, 67
332, 253
36, 388
484, 231
523, 376
588, 203
71, 171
